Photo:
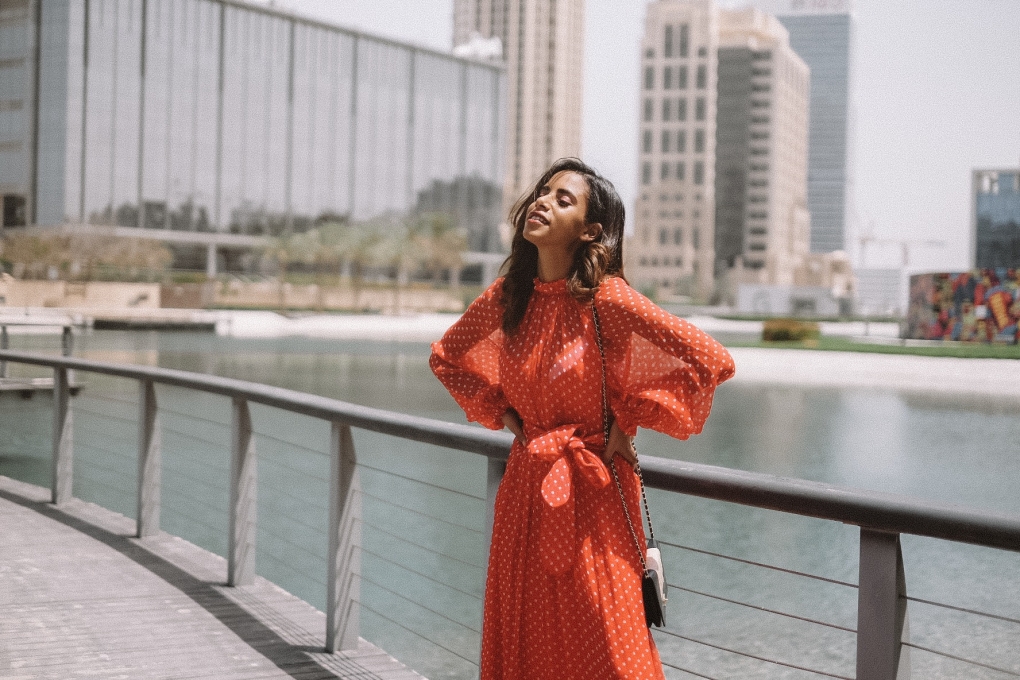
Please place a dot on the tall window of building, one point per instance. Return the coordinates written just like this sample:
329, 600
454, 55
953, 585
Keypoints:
649, 77
664, 172
667, 47
699, 141
663, 237
702, 51
685, 33
681, 77
666, 139
646, 144
667, 112
696, 238
699, 109
678, 236
646, 173
667, 78
680, 170
702, 77
681, 141
699, 175
649, 110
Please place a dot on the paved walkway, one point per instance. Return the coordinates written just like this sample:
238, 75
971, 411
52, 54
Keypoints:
79, 597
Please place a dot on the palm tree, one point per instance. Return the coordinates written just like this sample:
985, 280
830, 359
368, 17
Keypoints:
354, 247
442, 242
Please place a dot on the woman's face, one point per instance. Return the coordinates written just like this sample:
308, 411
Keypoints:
555, 219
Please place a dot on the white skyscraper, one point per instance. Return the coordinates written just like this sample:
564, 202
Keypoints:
543, 48
762, 219
821, 33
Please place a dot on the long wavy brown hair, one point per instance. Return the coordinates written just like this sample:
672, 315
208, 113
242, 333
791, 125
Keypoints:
593, 261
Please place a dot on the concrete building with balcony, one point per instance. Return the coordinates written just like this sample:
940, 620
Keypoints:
821, 33
762, 225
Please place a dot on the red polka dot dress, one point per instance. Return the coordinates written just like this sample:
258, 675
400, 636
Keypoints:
563, 591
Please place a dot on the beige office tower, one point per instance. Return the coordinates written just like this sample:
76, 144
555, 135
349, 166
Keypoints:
723, 144
671, 252
543, 48
762, 226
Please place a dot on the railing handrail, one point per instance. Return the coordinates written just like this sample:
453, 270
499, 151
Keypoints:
877, 511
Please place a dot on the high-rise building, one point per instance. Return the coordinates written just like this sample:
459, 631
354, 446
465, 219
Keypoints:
672, 249
821, 33
723, 143
543, 49
762, 221
995, 219
214, 122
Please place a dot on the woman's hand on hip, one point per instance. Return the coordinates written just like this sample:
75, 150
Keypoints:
619, 444
513, 422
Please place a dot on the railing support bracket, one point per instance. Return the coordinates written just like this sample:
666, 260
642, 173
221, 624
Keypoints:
243, 485
881, 608
343, 581
150, 461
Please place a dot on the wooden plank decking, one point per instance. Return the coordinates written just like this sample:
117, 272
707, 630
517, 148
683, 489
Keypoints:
79, 597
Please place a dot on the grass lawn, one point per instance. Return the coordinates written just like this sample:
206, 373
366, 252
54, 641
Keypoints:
949, 349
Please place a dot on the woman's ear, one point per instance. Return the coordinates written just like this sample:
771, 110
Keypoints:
591, 232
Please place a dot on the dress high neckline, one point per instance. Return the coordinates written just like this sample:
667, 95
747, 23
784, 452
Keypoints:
555, 286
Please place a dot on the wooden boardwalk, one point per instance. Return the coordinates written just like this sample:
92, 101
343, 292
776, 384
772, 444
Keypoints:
79, 597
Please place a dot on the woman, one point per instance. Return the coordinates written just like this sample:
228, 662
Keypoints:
563, 591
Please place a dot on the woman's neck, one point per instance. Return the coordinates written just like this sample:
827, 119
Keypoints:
554, 265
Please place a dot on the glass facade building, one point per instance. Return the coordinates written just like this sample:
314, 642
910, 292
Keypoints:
224, 117
823, 41
995, 240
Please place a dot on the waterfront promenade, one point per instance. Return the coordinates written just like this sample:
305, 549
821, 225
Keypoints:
82, 598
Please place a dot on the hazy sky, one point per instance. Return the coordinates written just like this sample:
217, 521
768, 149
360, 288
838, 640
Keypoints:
936, 92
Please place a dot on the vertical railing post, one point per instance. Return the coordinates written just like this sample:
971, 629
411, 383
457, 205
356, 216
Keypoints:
62, 484
150, 461
241, 551
343, 578
66, 349
494, 476
881, 608
5, 343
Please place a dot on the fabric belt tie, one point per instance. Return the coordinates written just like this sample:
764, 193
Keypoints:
569, 454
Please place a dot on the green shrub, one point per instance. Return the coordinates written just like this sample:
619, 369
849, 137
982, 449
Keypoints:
789, 330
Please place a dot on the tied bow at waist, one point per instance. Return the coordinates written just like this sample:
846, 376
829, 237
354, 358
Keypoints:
569, 455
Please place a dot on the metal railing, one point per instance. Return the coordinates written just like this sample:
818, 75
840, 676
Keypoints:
881, 589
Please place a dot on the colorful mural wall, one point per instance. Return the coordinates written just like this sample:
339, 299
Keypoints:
982, 305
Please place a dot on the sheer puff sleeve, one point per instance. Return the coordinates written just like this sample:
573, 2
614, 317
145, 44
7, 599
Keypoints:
466, 359
663, 371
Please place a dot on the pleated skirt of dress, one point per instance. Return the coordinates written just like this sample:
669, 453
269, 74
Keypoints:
586, 623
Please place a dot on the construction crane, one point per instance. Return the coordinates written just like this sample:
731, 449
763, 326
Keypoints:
904, 244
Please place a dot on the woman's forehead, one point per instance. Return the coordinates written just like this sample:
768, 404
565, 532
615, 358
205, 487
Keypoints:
571, 181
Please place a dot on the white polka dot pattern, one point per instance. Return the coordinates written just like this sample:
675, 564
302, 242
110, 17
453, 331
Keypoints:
563, 592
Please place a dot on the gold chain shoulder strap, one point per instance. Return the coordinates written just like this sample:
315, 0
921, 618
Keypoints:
612, 468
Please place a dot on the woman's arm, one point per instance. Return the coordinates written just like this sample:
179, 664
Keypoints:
466, 360
663, 371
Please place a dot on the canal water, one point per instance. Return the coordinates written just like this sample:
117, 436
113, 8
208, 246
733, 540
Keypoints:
423, 532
